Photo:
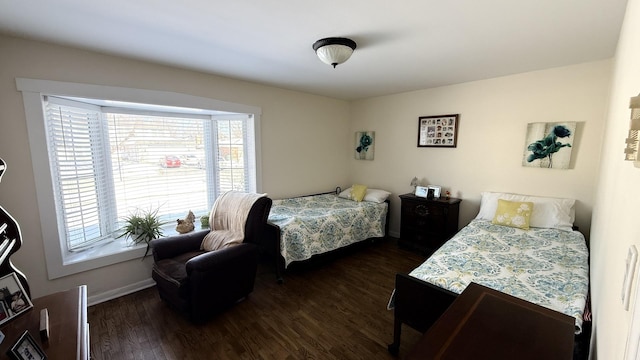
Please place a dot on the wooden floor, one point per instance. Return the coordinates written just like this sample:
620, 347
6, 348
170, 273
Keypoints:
330, 309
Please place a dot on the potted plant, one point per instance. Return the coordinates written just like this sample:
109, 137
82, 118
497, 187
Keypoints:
204, 221
142, 226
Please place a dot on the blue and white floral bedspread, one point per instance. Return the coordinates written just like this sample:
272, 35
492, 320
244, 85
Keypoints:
317, 224
547, 267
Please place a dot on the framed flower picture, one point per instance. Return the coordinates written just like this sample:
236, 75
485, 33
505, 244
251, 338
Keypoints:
364, 145
548, 145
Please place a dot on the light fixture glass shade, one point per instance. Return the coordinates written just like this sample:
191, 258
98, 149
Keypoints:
334, 51
334, 54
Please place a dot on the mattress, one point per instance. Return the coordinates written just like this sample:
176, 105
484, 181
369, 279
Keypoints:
548, 267
317, 224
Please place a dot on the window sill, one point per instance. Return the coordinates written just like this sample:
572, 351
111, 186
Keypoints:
114, 248
117, 251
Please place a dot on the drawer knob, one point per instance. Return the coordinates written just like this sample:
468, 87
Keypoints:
422, 210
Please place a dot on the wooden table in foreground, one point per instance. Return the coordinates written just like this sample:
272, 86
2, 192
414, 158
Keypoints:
486, 324
69, 330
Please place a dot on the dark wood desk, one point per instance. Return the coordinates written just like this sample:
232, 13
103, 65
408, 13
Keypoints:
486, 324
69, 330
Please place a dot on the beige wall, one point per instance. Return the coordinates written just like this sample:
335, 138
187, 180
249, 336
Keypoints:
615, 217
304, 139
493, 120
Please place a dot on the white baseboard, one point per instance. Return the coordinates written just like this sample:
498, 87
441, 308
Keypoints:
395, 234
112, 294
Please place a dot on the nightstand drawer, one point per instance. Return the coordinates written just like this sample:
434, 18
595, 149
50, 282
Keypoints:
424, 215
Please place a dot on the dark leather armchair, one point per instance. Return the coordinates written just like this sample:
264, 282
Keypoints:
202, 283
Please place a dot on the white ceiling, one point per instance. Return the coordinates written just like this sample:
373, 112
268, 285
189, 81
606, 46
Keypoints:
402, 46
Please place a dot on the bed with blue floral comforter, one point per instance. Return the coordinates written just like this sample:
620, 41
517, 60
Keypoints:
548, 267
317, 224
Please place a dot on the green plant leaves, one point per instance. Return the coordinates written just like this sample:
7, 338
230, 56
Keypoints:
142, 226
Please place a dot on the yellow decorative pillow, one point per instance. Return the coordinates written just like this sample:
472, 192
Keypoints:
358, 192
513, 213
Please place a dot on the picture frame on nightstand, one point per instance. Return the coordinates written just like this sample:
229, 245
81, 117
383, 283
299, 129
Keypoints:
421, 191
436, 190
430, 194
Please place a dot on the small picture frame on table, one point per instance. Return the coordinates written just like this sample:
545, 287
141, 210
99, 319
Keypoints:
438, 131
26, 348
436, 190
13, 299
429, 194
421, 191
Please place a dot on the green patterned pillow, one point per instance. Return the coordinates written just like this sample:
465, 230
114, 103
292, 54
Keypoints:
513, 213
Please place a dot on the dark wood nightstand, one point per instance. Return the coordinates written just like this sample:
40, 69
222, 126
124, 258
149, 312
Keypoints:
427, 224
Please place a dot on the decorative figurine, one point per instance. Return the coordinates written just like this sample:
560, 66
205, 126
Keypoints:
186, 225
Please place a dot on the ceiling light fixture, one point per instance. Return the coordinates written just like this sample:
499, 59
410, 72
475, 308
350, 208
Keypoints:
334, 50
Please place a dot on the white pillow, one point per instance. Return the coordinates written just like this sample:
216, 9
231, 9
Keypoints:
548, 212
372, 195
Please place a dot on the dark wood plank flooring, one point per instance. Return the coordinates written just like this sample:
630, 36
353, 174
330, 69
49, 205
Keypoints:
333, 308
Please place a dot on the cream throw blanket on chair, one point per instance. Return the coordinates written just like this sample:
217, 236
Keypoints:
227, 220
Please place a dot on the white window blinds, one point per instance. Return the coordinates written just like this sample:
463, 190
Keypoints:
159, 162
77, 165
109, 162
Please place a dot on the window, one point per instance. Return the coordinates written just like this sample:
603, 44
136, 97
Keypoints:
108, 158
